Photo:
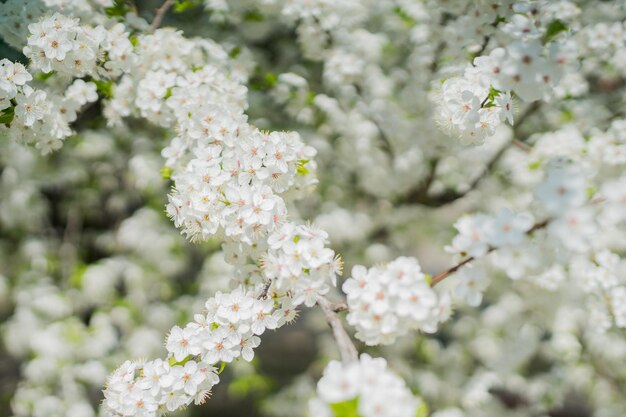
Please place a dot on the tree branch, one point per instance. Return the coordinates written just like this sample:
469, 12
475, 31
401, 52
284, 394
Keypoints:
346, 347
420, 195
445, 274
160, 14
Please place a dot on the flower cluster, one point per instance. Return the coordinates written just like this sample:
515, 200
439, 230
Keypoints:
59, 43
147, 389
366, 388
228, 330
231, 183
33, 116
530, 67
388, 301
298, 263
480, 233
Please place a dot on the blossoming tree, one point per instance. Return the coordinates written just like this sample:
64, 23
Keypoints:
191, 171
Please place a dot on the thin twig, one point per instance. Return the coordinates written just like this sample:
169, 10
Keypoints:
346, 347
160, 14
420, 196
445, 274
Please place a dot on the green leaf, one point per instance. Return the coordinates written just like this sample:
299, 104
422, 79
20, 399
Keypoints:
422, 410
533, 166
234, 53
119, 8
554, 28
7, 115
105, 88
248, 384
567, 116
348, 408
43, 76
253, 16
405, 17
222, 367
76, 279
428, 278
301, 168
271, 79
166, 173
184, 5
173, 361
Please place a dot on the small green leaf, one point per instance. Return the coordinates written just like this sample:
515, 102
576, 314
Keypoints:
271, 79
533, 166
428, 278
7, 115
166, 173
554, 28
234, 53
119, 8
172, 361
301, 168
253, 16
405, 17
222, 367
43, 76
296, 239
76, 279
168, 93
348, 408
567, 116
105, 88
422, 410
184, 5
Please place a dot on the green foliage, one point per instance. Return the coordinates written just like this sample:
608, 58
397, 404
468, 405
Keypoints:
404, 16
119, 8
105, 88
249, 384
428, 278
301, 168
346, 409
166, 173
491, 97
185, 5
554, 28
76, 279
263, 82
253, 16
422, 410
43, 76
234, 53
7, 115
173, 362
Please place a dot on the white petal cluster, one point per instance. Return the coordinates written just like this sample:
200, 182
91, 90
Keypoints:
368, 387
298, 263
474, 105
480, 233
386, 302
14, 18
229, 329
60, 43
34, 116
146, 389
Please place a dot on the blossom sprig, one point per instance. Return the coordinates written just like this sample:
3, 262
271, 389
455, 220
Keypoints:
387, 302
228, 330
367, 388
